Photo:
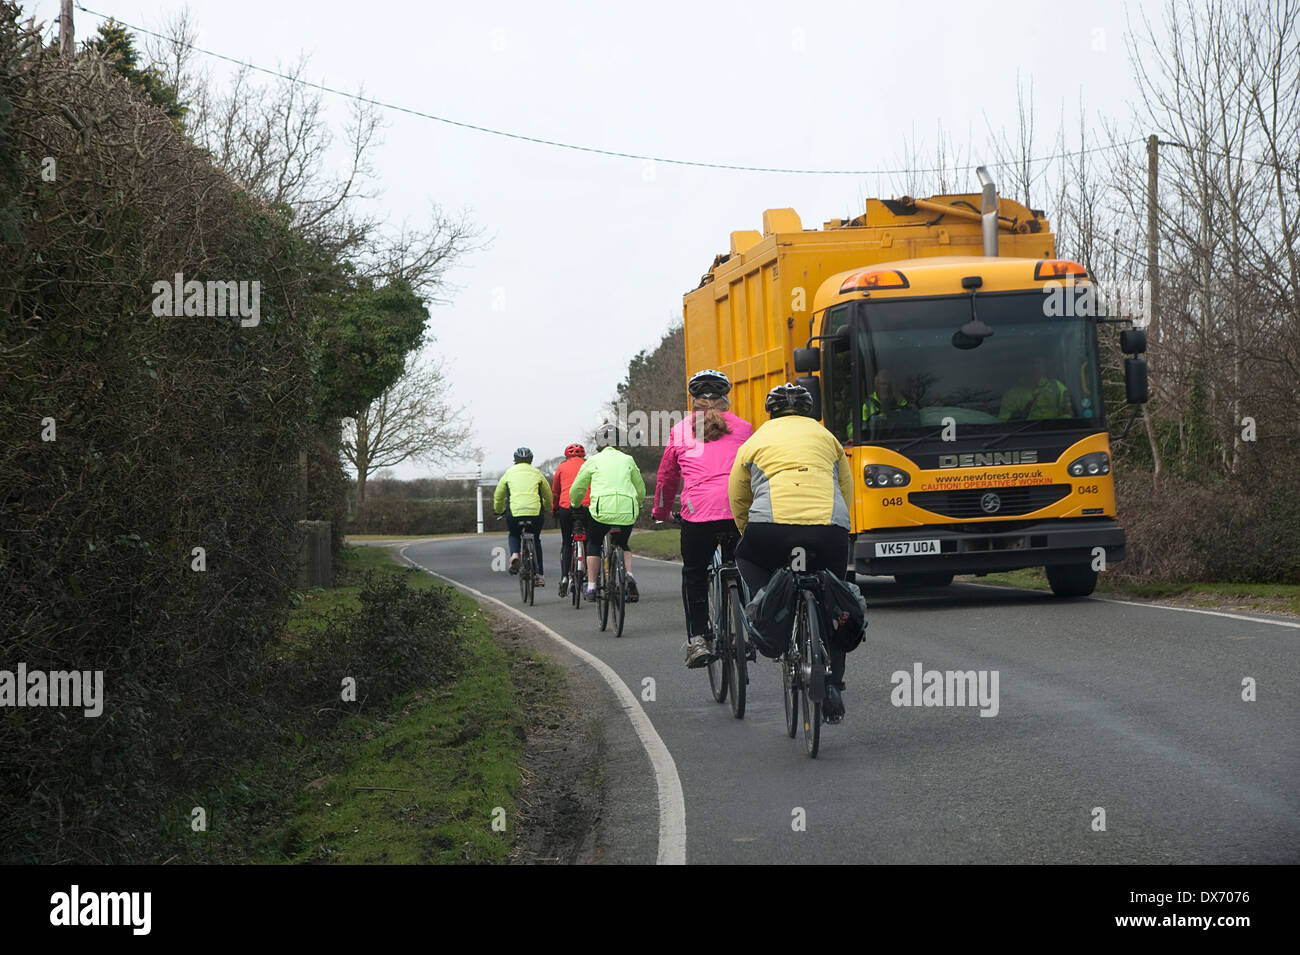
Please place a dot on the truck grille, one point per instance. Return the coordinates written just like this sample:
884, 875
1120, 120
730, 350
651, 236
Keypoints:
970, 503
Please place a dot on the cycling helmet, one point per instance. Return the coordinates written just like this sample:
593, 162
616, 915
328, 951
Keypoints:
708, 384
524, 454
606, 435
789, 399
575, 451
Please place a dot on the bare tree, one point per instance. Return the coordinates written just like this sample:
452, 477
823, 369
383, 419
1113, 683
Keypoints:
1015, 159
276, 141
1219, 86
411, 421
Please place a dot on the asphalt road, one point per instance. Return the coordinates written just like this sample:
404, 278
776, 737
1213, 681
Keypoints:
1132, 710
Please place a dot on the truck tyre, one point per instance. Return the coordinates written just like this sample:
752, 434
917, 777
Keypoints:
910, 581
1072, 580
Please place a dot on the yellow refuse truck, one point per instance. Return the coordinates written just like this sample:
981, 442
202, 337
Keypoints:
955, 357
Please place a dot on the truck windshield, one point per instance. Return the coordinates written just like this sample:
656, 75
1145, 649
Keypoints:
1034, 373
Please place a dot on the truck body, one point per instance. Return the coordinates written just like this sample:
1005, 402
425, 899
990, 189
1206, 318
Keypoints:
950, 363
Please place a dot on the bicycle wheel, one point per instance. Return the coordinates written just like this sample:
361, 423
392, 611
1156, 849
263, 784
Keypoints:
737, 671
532, 571
813, 677
717, 672
619, 590
525, 566
602, 589
577, 576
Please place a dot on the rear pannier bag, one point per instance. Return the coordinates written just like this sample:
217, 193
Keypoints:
846, 612
770, 614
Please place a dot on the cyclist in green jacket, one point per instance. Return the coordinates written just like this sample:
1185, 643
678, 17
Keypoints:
617, 491
527, 491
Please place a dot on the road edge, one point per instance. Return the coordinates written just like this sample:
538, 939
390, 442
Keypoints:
672, 803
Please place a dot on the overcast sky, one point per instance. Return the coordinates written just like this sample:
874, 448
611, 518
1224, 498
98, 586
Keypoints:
587, 255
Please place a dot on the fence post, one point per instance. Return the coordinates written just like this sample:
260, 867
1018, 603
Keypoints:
316, 565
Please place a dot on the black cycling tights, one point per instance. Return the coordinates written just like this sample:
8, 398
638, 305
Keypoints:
765, 548
699, 540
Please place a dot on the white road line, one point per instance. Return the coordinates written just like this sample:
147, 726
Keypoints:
672, 805
1153, 606
1212, 613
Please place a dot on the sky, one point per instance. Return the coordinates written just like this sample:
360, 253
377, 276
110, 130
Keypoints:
584, 258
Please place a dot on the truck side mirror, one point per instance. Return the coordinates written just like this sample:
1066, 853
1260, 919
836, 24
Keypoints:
1135, 380
807, 359
814, 387
1133, 341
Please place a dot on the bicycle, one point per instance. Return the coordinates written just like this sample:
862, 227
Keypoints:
611, 586
578, 569
805, 664
728, 661
728, 664
527, 560
527, 564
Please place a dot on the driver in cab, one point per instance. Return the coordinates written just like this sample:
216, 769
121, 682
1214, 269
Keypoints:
1036, 396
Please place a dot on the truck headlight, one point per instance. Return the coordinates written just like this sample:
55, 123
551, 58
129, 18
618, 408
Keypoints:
1090, 465
882, 475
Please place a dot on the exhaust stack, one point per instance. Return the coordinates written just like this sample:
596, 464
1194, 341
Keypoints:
989, 212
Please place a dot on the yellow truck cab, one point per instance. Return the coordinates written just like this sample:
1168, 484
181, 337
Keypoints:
954, 357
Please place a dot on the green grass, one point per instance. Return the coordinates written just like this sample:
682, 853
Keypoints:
318, 604
414, 782
665, 544
1031, 579
402, 537
419, 784
1277, 597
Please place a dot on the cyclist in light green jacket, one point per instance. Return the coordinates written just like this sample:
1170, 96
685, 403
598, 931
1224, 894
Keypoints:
617, 491
527, 491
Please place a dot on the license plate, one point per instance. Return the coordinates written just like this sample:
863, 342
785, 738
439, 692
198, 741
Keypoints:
906, 548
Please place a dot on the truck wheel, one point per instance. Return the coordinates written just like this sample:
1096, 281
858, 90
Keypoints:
911, 581
1072, 580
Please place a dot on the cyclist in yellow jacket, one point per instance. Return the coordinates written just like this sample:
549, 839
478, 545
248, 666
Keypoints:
527, 491
790, 488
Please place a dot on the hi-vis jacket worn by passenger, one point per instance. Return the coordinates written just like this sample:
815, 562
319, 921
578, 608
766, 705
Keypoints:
527, 489
792, 471
617, 488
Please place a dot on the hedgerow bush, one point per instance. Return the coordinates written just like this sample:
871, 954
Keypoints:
127, 440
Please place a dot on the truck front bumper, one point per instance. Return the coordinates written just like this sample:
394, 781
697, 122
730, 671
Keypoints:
989, 548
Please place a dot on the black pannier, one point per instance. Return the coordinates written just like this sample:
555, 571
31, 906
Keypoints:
846, 612
770, 614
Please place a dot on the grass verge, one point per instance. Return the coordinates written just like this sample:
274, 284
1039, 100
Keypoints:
665, 544
421, 779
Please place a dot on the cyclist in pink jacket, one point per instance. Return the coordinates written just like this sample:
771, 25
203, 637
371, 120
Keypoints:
698, 459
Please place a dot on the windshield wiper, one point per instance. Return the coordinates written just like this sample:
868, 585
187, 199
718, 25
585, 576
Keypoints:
934, 434
1025, 427
997, 440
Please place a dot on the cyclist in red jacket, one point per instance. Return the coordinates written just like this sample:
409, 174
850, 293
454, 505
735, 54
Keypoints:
571, 518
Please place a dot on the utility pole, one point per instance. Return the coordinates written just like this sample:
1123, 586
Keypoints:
67, 40
1153, 284
1153, 235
